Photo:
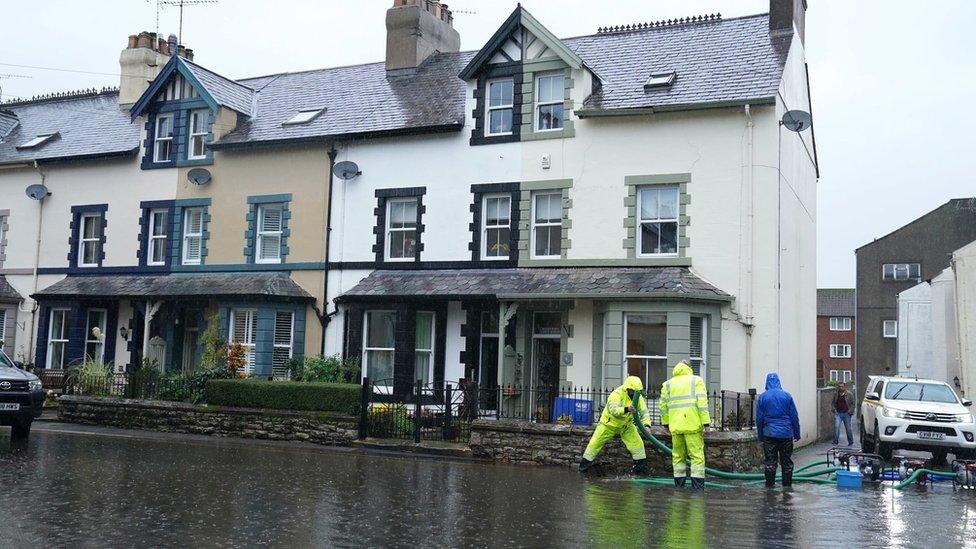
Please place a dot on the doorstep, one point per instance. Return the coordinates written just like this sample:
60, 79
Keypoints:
433, 448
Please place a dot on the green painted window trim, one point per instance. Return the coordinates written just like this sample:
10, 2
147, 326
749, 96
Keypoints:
530, 69
527, 189
634, 184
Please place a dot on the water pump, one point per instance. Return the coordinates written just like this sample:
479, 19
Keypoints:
965, 470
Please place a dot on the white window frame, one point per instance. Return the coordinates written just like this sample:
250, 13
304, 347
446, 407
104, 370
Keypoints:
429, 352
64, 338
262, 233
840, 350
194, 135
834, 375
94, 240
157, 139
89, 338
385, 389
623, 366
390, 229
489, 108
188, 235
885, 333
3, 326
703, 359
485, 227
848, 376
291, 338
906, 267
250, 349
537, 110
153, 240
840, 324
536, 224
659, 220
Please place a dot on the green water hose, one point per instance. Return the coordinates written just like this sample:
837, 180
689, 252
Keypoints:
911, 478
715, 472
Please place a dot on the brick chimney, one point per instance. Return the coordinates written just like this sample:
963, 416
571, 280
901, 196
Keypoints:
144, 56
415, 29
787, 15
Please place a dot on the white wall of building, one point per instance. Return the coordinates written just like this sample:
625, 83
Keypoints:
964, 271
915, 332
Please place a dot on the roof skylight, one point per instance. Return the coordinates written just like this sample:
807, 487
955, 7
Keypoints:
305, 116
660, 79
38, 141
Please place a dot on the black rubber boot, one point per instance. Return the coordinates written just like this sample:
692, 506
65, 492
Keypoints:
771, 478
788, 478
698, 483
640, 467
584, 465
679, 482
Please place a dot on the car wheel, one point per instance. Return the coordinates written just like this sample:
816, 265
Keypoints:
20, 431
866, 446
885, 451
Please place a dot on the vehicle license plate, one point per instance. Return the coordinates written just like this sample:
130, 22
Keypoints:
6, 406
930, 434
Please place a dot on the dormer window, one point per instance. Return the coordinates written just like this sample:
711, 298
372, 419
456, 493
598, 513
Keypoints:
304, 116
660, 80
199, 130
501, 94
549, 96
163, 141
37, 141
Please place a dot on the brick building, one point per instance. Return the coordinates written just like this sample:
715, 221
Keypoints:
836, 315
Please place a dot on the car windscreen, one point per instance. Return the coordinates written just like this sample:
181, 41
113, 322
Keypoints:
924, 392
5, 360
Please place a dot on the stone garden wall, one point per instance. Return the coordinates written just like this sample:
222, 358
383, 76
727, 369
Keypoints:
530, 443
327, 428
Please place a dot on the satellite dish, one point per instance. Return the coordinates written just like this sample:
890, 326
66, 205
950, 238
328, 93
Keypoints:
198, 176
346, 170
797, 121
37, 191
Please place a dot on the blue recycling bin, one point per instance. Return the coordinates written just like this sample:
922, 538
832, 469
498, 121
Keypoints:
579, 409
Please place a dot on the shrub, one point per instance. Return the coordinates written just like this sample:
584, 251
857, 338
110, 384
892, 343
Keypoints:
332, 369
286, 395
92, 378
214, 346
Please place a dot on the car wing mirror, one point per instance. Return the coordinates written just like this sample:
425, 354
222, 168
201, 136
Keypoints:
872, 396
966, 402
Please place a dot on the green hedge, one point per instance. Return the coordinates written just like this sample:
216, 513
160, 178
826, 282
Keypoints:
285, 395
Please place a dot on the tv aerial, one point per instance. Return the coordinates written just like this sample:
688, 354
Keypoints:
796, 120
37, 192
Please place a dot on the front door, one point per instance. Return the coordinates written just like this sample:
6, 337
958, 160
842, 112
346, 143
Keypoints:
546, 335
191, 336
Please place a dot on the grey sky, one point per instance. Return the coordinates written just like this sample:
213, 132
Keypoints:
892, 82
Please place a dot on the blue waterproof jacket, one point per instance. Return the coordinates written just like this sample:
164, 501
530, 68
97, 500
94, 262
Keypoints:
776, 415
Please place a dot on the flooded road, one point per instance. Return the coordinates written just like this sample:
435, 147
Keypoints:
92, 490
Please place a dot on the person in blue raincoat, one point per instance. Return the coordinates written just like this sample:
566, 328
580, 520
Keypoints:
777, 425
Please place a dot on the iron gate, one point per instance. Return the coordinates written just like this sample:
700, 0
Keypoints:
433, 411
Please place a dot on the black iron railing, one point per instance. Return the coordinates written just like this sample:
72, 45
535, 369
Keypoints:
145, 383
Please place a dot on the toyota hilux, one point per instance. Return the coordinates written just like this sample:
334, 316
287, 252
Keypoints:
916, 414
21, 398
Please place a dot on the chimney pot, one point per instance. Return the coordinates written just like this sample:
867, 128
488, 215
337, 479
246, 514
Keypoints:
133, 41
172, 44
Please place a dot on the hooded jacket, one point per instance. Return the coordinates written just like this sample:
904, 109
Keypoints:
776, 415
684, 401
615, 415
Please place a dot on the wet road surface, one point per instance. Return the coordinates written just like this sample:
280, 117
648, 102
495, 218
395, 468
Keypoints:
146, 489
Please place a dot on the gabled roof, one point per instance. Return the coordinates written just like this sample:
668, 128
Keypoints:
90, 126
538, 283
216, 90
836, 302
518, 19
8, 121
965, 205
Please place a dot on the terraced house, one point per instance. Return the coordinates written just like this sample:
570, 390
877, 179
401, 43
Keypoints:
541, 211
576, 210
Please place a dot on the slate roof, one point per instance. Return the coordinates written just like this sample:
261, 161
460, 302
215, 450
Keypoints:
642, 282
7, 292
225, 91
89, 125
243, 285
836, 302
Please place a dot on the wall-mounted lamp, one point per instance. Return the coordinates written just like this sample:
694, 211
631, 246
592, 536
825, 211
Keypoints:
124, 332
955, 381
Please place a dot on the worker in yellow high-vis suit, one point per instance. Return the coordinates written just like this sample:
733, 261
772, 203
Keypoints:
617, 419
684, 413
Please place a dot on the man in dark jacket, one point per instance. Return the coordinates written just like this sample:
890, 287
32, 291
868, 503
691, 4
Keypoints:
843, 412
777, 425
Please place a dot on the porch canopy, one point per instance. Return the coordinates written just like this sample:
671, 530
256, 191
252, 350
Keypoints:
7, 292
536, 283
160, 287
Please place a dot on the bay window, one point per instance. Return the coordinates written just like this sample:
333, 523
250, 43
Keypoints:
379, 347
57, 339
646, 351
282, 347
424, 348
95, 334
243, 330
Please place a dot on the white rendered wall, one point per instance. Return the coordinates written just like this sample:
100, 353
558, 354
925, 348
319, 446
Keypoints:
915, 327
964, 272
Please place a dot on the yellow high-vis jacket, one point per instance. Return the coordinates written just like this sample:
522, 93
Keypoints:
615, 413
684, 401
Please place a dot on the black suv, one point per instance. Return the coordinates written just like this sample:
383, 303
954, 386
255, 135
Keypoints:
21, 398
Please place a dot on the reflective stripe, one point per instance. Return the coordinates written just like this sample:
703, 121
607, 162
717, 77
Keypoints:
686, 397
590, 455
639, 455
685, 405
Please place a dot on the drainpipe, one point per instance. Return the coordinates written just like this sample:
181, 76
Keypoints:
325, 316
750, 239
37, 260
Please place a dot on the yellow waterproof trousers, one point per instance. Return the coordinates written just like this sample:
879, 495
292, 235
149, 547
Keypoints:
688, 447
628, 434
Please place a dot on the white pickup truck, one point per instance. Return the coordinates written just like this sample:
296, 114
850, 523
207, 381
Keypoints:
916, 414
